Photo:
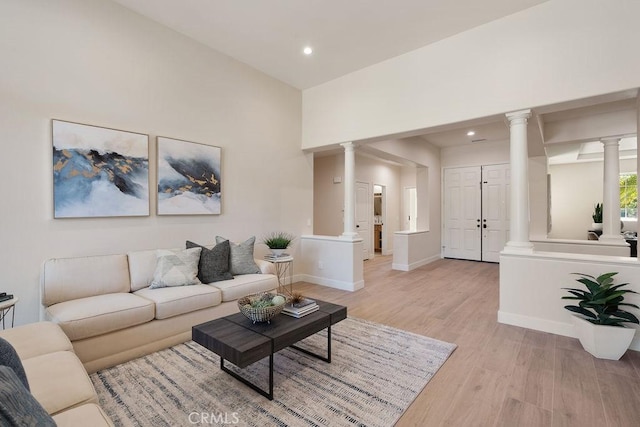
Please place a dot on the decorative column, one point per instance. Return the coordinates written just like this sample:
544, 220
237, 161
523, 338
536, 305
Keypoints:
349, 192
611, 192
519, 209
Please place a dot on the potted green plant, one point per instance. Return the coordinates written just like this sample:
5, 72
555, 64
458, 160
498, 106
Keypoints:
597, 217
278, 241
600, 319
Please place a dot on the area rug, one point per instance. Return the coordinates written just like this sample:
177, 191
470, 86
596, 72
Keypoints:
375, 374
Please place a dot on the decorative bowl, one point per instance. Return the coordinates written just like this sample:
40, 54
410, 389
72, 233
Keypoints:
260, 314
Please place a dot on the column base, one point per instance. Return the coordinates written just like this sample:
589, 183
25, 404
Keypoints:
518, 248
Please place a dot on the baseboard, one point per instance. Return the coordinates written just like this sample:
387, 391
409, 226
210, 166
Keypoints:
330, 283
535, 323
550, 326
414, 265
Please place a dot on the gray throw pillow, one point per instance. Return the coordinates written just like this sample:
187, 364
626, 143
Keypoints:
18, 407
176, 268
9, 357
214, 263
241, 259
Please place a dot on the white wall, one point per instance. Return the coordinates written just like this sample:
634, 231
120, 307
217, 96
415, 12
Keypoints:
531, 287
332, 261
557, 51
575, 189
329, 197
482, 153
94, 62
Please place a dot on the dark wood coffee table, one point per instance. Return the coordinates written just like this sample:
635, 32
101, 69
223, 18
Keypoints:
238, 340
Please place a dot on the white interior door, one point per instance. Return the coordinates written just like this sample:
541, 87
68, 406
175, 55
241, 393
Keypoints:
364, 213
461, 227
410, 209
495, 210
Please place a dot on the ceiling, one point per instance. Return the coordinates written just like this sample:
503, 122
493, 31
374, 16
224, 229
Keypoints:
346, 35
569, 132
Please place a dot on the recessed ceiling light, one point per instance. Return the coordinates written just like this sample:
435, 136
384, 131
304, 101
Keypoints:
307, 50
471, 133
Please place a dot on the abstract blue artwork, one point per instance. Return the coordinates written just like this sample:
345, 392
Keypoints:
188, 178
99, 172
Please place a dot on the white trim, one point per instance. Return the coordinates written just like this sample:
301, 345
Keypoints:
417, 264
550, 326
553, 327
337, 284
409, 232
330, 238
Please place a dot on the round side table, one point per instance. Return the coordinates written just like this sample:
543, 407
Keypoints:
284, 272
6, 307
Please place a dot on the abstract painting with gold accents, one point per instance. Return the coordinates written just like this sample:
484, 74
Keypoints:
99, 172
188, 178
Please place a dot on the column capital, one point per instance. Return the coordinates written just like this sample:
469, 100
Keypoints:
518, 117
610, 141
348, 146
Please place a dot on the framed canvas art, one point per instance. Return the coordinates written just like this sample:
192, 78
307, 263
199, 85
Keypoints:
188, 178
99, 172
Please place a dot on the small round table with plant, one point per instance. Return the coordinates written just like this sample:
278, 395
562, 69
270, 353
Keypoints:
278, 242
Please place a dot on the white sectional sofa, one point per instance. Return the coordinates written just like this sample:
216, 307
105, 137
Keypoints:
106, 308
56, 377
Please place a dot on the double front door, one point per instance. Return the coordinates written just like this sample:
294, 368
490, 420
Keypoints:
476, 212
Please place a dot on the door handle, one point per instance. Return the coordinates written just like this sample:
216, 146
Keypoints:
484, 225
357, 226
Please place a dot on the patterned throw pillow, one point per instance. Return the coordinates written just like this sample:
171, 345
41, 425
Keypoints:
18, 407
9, 357
176, 268
214, 263
241, 259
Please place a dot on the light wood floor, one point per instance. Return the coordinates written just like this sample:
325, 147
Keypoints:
499, 375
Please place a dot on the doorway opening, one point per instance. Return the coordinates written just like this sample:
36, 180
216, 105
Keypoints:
379, 215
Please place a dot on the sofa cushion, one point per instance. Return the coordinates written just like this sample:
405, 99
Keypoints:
173, 301
65, 279
83, 416
59, 382
214, 263
241, 258
88, 317
9, 358
18, 407
176, 268
142, 265
245, 284
51, 338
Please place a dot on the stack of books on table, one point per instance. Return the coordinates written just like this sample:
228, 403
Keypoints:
5, 297
283, 257
300, 309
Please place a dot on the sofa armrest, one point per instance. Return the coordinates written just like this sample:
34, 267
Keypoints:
266, 267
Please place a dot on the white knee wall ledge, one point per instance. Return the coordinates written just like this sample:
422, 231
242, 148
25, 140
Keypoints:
332, 261
531, 287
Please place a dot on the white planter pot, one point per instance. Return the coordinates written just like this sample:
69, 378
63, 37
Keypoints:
603, 342
277, 252
596, 226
